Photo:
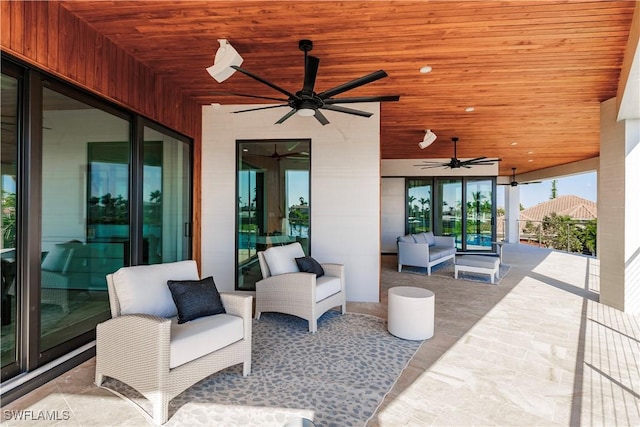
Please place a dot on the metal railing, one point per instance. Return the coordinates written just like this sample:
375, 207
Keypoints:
576, 236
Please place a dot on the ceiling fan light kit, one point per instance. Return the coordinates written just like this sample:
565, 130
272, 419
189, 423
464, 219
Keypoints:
429, 138
225, 58
306, 102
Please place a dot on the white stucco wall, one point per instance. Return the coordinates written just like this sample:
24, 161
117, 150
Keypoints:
345, 189
618, 207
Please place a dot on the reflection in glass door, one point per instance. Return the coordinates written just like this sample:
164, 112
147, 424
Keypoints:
9, 214
166, 198
479, 223
418, 205
273, 205
448, 216
85, 215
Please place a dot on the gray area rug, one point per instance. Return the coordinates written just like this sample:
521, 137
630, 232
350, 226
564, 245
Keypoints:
336, 377
446, 269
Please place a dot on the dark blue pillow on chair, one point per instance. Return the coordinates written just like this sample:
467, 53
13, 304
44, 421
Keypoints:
195, 298
309, 265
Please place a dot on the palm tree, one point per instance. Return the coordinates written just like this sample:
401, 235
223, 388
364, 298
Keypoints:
423, 202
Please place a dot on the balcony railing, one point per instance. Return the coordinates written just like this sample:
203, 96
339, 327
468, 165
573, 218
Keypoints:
576, 236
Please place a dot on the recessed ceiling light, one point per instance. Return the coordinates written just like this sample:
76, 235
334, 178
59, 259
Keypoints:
529, 152
470, 109
530, 160
514, 143
426, 69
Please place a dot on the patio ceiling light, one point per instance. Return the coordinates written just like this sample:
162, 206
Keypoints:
226, 56
429, 138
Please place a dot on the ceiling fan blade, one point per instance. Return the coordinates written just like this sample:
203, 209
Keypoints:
249, 96
441, 165
286, 116
362, 99
310, 73
347, 110
376, 75
263, 81
486, 161
321, 118
262, 108
474, 160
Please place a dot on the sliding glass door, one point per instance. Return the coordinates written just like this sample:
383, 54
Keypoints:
479, 217
10, 212
463, 207
419, 195
448, 218
86, 189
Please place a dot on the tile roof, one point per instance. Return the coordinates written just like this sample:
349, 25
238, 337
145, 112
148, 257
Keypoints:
573, 206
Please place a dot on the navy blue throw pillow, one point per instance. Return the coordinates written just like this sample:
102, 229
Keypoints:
309, 265
195, 298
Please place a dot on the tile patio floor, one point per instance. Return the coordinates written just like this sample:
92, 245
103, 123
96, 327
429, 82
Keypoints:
535, 350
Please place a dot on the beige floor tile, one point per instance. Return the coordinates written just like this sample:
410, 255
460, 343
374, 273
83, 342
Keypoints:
535, 350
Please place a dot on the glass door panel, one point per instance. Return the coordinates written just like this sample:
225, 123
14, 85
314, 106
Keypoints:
448, 218
479, 222
9, 214
418, 205
272, 192
166, 199
85, 215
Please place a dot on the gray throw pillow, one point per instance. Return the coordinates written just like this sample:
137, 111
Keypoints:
309, 265
430, 238
195, 298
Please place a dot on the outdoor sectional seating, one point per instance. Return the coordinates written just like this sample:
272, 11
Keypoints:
425, 250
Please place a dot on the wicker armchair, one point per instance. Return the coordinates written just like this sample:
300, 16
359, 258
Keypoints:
300, 294
142, 349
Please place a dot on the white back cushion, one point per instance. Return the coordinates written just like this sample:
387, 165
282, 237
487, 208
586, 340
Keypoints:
282, 259
143, 289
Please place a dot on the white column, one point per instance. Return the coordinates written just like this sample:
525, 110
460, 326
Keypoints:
512, 214
618, 210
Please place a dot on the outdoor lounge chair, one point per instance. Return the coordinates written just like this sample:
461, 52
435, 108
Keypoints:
286, 289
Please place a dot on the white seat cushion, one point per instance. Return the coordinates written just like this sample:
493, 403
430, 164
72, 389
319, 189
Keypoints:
143, 289
479, 261
327, 286
202, 336
282, 259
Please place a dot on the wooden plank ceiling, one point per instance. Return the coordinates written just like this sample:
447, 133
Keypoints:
535, 71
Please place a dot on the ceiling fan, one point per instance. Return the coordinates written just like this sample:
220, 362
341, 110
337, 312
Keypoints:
515, 183
456, 163
277, 156
307, 102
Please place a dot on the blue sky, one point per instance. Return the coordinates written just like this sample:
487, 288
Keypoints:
583, 185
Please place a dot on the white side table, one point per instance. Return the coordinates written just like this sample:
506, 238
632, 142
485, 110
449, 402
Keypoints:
411, 312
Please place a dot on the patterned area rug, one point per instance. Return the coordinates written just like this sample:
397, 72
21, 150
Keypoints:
446, 269
335, 377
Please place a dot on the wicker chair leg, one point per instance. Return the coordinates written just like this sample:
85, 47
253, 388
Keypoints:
99, 379
344, 307
160, 410
313, 325
258, 315
246, 368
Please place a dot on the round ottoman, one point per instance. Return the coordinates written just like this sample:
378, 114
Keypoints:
410, 312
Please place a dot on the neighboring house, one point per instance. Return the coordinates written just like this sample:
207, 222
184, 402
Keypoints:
575, 207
